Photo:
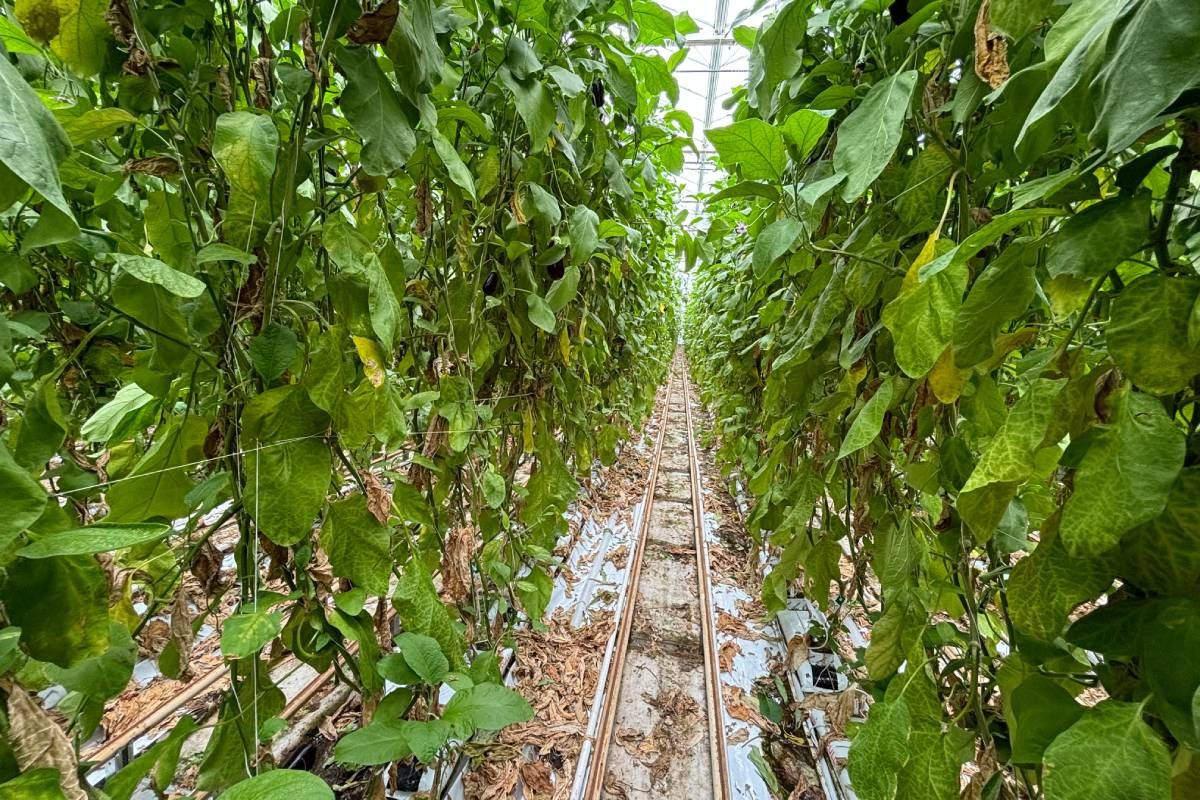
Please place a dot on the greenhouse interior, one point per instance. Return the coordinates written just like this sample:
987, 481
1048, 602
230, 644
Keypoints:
600, 399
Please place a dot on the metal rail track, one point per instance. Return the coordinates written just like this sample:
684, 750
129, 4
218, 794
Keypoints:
594, 786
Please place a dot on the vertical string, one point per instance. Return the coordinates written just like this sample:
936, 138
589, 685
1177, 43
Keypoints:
252, 574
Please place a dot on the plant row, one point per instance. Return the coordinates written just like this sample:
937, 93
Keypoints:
371, 286
947, 314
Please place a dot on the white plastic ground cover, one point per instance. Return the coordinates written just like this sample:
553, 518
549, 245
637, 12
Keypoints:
801, 616
598, 585
752, 660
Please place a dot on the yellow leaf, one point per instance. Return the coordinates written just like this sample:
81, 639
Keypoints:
527, 428
372, 357
564, 346
1006, 343
83, 35
517, 210
928, 251
947, 380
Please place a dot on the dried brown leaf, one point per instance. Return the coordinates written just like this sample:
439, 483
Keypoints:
37, 742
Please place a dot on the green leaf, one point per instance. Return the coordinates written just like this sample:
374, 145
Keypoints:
1047, 585
101, 537
247, 632
487, 706
96, 123
1100, 237
1176, 531
494, 489
867, 139
582, 224
804, 129
563, 290
1109, 752
115, 419
83, 35
535, 105
151, 270
383, 742
752, 146
105, 675
359, 548
1015, 18
245, 145
773, 242
160, 481
869, 422
372, 105
64, 626
421, 611
1125, 476
568, 82
540, 313
1009, 460
288, 466
520, 58
878, 751
1147, 333
358, 261
424, 655
999, 295
273, 351
459, 173
219, 251
32, 143
35, 784
1148, 62
293, 784
22, 499
159, 762
1041, 710
921, 318
776, 54
936, 755
893, 636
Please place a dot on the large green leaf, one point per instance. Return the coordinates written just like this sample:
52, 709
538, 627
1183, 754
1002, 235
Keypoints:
868, 138
1125, 476
868, 422
776, 54
114, 419
1147, 333
1009, 460
1176, 531
151, 270
424, 655
1094, 241
385, 741
32, 143
358, 261
245, 145
1149, 61
359, 548
535, 105
421, 611
1047, 585
773, 242
754, 147
65, 625
998, 296
1041, 710
921, 318
288, 463
1109, 752
247, 632
158, 485
878, 751
293, 784
486, 706
98, 538
375, 109
22, 499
